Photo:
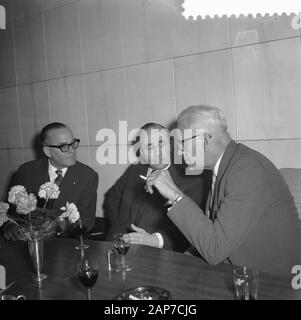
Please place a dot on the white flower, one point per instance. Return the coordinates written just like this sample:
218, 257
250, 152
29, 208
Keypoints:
239, 282
32, 202
3, 218
71, 212
49, 190
4, 207
3, 210
26, 203
15, 193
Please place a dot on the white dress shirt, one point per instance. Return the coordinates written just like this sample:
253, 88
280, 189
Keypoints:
214, 175
158, 234
52, 172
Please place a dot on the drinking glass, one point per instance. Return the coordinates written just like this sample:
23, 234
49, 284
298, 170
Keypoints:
81, 231
121, 248
246, 283
88, 274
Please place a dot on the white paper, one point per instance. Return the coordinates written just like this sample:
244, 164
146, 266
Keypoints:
203, 8
2, 278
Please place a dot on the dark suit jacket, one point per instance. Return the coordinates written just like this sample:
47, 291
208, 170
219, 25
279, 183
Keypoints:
253, 217
79, 186
127, 202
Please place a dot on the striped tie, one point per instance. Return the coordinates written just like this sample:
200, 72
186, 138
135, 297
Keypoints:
212, 191
58, 180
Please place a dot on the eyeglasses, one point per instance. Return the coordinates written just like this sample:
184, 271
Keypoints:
65, 147
183, 142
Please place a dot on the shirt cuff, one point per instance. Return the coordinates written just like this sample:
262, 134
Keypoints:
160, 239
179, 198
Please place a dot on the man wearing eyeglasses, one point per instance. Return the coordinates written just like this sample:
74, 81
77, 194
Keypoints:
250, 217
142, 216
77, 182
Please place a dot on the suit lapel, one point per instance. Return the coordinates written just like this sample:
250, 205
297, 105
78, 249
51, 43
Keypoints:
42, 176
226, 159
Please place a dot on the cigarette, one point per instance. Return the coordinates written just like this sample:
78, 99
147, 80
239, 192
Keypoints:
95, 233
142, 177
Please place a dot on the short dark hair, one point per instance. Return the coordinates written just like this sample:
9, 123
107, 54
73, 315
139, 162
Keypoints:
152, 125
50, 126
146, 127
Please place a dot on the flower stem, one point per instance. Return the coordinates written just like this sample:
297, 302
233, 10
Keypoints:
53, 223
30, 223
45, 203
89, 294
12, 220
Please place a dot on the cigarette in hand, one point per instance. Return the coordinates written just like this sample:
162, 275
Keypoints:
142, 177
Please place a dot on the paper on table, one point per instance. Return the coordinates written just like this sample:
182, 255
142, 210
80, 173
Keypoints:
2, 277
132, 297
5, 289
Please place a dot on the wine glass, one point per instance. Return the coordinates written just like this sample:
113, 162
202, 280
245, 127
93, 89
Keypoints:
121, 248
88, 274
80, 230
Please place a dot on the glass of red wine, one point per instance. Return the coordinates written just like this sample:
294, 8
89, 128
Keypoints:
121, 247
81, 231
88, 274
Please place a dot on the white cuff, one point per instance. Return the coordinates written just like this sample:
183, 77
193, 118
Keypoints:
179, 198
160, 239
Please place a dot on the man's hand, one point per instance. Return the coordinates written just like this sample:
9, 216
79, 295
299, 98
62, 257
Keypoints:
165, 185
14, 232
140, 236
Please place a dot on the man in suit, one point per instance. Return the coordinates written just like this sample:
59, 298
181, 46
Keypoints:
77, 182
143, 216
251, 217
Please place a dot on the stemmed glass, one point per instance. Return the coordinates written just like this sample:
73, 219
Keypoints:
121, 248
80, 230
88, 274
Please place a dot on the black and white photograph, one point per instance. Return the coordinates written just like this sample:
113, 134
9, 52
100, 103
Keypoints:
150, 150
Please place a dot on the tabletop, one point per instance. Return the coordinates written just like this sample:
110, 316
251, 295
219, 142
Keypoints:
185, 277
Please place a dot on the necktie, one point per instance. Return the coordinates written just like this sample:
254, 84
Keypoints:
58, 180
209, 203
212, 190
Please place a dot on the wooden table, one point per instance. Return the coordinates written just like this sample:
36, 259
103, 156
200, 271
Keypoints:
186, 277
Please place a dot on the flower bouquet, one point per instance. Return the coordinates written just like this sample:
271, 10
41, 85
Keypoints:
34, 222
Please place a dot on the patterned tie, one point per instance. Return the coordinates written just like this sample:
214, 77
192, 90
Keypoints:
209, 203
58, 180
212, 191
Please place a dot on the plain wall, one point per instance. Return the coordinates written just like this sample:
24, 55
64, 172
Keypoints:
92, 63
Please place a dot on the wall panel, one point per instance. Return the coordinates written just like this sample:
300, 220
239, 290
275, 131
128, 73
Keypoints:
92, 63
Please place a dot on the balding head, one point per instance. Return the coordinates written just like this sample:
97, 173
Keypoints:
212, 123
210, 119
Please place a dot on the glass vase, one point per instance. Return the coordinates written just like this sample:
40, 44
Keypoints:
36, 247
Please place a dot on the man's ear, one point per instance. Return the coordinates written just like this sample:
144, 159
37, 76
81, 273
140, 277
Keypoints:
207, 138
46, 151
142, 157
